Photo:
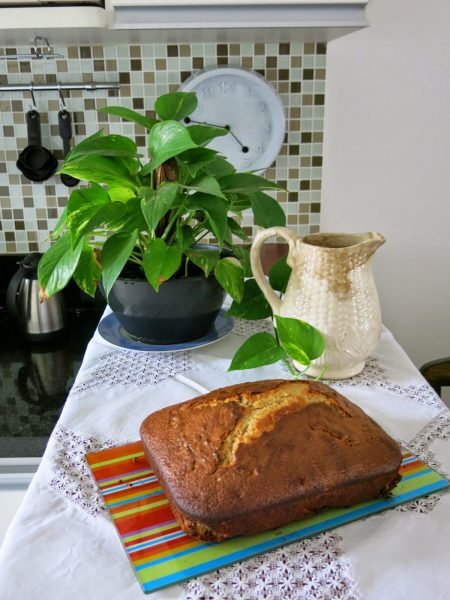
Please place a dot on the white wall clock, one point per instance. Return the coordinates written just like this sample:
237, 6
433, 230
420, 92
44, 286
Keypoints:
248, 106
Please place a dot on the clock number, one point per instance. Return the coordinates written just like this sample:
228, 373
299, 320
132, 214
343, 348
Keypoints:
262, 106
208, 92
260, 148
267, 127
249, 92
226, 87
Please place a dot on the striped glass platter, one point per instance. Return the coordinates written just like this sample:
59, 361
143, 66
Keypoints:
161, 554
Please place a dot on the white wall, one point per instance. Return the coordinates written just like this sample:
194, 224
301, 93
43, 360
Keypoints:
387, 161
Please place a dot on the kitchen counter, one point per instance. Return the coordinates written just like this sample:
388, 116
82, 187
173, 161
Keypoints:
63, 544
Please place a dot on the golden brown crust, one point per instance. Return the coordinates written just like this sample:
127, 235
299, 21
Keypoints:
254, 456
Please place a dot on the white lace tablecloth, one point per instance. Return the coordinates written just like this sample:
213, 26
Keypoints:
63, 545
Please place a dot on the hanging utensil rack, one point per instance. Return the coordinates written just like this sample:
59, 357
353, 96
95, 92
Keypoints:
37, 52
48, 87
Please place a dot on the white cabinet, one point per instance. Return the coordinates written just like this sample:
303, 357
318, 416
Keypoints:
122, 21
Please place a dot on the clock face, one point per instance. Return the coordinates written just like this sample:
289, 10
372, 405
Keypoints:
243, 102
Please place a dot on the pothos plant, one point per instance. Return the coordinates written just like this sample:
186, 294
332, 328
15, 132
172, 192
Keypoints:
292, 338
153, 211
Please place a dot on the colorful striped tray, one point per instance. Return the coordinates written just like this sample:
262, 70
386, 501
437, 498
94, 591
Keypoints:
161, 554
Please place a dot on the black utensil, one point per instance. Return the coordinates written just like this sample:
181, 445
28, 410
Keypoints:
36, 162
65, 131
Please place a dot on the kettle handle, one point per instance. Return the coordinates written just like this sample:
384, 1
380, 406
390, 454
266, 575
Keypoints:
13, 290
255, 260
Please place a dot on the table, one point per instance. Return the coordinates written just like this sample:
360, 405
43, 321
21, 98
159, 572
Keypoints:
62, 544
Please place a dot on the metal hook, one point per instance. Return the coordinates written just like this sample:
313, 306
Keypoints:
33, 100
37, 43
62, 103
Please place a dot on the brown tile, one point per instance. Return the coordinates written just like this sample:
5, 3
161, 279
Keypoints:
85, 52
81, 130
321, 48
97, 52
303, 219
34, 247
13, 67
19, 225
292, 219
294, 150
283, 87
25, 67
235, 49
198, 62
320, 73
271, 62
141, 141
304, 184
149, 77
89, 104
185, 50
52, 213
316, 184
259, 49
247, 62
7, 213
172, 51
135, 52
222, 49
317, 137
50, 78
17, 105
99, 65
308, 74
316, 161
222, 60
8, 130
136, 64
111, 64
315, 207
32, 236
185, 75
314, 229
271, 74
61, 66
10, 236
4, 191
294, 112
304, 208
295, 87
284, 48
306, 137
292, 196
160, 64
72, 52
309, 48
307, 100
62, 201
293, 173
124, 77
319, 99
28, 202
296, 62
138, 103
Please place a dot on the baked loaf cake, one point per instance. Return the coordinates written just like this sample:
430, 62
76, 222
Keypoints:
251, 457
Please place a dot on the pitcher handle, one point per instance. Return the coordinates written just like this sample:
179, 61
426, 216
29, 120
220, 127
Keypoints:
255, 260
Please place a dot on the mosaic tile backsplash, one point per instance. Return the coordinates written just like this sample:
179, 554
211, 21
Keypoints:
30, 210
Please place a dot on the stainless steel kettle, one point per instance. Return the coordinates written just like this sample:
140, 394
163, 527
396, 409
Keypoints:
37, 320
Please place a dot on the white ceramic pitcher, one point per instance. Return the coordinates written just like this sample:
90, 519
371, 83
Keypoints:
332, 288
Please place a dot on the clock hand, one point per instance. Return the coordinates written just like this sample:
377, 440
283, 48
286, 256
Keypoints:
244, 149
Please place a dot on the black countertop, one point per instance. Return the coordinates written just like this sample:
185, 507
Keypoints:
35, 377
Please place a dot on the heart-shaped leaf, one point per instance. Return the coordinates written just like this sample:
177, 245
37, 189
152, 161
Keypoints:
253, 305
176, 105
279, 275
160, 262
259, 350
206, 260
156, 203
246, 183
302, 341
203, 134
166, 140
266, 210
82, 207
57, 265
129, 115
106, 145
89, 270
219, 168
215, 210
100, 169
116, 251
207, 185
230, 275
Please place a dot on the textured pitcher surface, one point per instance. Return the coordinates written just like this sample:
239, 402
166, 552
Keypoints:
332, 288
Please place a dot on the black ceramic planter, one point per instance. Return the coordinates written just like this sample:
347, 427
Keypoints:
183, 310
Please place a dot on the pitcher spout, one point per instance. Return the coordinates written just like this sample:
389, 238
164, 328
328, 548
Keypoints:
372, 242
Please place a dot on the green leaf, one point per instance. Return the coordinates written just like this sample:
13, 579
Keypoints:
253, 305
176, 105
193, 161
129, 115
89, 271
203, 134
230, 275
107, 145
215, 210
160, 262
60, 227
279, 275
302, 341
219, 167
120, 194
156, 204
205, 259
116, 251
237, 230
57, 265
267, 211
246, 183
244, 258
207, 185
239, 202
100, 169
259, 350
166, 140
184, 237
131, 218
83, 206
